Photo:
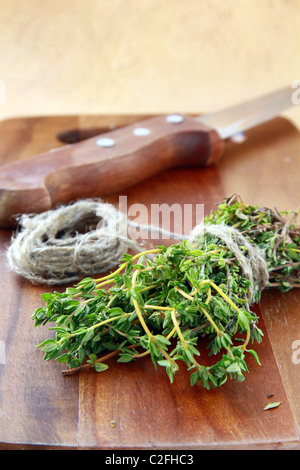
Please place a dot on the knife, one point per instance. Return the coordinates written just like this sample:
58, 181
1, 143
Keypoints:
111, 162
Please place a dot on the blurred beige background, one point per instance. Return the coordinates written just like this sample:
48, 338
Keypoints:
144, 56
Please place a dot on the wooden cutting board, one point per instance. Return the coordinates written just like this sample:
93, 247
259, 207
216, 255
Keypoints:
132, 406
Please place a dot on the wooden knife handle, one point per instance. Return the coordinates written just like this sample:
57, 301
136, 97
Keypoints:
105, 164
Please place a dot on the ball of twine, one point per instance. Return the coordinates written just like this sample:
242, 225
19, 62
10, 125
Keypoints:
50, 247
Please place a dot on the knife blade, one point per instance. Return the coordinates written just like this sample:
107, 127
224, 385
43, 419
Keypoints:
111, 162
249, 114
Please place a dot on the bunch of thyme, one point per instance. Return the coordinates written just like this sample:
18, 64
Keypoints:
162, 306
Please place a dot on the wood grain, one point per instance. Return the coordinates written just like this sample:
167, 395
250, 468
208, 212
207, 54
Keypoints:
36, 405
132, 406
282, 316
85, 169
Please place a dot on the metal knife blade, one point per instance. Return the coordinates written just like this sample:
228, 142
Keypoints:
249, 114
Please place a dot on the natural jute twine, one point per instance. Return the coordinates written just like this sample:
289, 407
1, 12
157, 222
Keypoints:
49, 248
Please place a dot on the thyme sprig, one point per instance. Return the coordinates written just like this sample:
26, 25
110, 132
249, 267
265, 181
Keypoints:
163, 306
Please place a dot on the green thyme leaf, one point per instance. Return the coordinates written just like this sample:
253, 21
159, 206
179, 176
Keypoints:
100, 367
270, 406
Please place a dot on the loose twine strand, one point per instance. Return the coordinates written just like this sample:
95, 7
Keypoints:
50, 249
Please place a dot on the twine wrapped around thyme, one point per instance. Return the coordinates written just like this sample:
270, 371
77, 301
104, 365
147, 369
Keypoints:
50, 248
252, 260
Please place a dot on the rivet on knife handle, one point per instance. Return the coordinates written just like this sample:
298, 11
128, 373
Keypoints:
105, 164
